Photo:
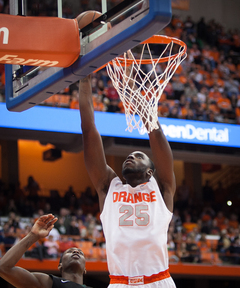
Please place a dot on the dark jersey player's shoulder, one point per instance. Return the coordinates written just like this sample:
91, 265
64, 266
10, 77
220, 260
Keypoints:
59, 282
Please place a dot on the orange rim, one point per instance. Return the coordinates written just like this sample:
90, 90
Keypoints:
155, 39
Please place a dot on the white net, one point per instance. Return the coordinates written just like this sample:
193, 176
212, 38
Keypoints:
140, 85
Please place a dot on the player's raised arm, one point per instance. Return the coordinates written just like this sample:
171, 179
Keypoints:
99, 172
163, 161
161, 150
20, 277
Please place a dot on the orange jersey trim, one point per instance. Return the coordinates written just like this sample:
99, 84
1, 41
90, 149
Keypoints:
139, 280
38, 41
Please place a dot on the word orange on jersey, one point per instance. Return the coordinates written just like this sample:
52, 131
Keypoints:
134, 198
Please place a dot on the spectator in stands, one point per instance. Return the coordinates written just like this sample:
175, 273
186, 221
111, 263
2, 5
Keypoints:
207, 57
178, 87
202, 95
196, 233
70, 197
163, 109
170, 243
55, 234
91, 224
74, 102
60, 226
188, 25
114, 106
66, 243
98, 104
190, 90
210, 116
47, 208
73, 227
231, 85
188, 223
174, 111
214, 228
176, 220
233, 221
193, 250
207, 193
111, 92
182, 195
235, 251
9, 235
80, 215
220, 219
13, 220
32, 188
98, 236
237, 113
196, 76
94, 82
52, 247
102, 89
71, 266
19, 193
65, 214
190, 115
194, 51
83, 229
224, 244
182, 252
26, 207
168, 90
225, 105
195, 105
201, 28
203, 245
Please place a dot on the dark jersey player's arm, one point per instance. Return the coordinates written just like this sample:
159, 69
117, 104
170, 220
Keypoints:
18, 276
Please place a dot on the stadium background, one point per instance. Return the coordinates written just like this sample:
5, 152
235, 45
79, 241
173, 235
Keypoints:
21, 158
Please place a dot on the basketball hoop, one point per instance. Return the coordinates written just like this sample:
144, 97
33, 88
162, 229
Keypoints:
141, 82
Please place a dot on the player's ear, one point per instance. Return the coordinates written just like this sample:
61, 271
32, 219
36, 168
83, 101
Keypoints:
150, 172
60, 267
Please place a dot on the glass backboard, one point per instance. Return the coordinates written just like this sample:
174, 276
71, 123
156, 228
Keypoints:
132, 21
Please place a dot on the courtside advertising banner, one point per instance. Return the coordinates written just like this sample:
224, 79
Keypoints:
114, 125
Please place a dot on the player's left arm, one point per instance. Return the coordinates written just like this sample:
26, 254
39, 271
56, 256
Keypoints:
17, 276
163, 161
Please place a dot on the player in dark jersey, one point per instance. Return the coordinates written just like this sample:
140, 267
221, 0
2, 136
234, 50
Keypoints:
71, 264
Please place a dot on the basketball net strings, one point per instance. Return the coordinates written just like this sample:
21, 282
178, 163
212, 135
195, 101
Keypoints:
139, 91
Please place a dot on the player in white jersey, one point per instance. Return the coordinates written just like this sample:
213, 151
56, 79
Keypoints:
136, 215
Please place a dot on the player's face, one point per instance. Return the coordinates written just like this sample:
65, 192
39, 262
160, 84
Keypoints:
135, 162
73, 256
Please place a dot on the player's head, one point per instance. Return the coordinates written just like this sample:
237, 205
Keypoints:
138, 163
72, 260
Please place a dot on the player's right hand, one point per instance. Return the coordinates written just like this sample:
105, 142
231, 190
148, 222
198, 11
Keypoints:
44, 225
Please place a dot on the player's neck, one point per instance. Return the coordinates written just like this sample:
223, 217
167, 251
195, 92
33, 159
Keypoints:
134, 181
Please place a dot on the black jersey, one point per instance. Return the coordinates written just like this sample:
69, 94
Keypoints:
59, 282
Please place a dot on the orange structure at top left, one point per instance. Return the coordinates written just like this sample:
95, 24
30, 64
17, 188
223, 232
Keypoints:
38, 41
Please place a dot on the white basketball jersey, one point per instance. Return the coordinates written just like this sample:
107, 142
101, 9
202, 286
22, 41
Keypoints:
135, 224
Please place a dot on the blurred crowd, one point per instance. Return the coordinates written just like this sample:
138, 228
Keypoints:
205, 87
200, 231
